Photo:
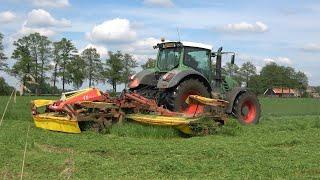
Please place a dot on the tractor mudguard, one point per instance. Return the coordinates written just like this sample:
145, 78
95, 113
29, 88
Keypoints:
179, 75
232, 95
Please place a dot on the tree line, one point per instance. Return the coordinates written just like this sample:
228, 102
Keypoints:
40, 61
60, 63
271, 75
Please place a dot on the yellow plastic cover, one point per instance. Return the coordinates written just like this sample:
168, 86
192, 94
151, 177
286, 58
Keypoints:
53, 122
42, 102
181, 123
206, 101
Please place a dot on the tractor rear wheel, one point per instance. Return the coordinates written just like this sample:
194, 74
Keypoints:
181, 93
247, 108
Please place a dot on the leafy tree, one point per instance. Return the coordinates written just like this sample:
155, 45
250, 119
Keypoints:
34, 45
151, 63
255, 84
231, 69
56, 54
246, 71
114, 69
76, 69
129, 64
67, 51
277, 76
317, 88
93, 65
301, 80
5, 89
24, 59
273, 75
45, 54
32, 53
46, 88
3, 58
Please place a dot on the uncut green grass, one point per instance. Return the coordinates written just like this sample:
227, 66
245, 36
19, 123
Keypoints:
285, 145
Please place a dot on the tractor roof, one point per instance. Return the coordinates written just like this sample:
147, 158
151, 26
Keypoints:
194, 44
191, 44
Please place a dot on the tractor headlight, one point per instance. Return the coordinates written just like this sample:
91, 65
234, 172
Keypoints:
168, 76
134, 83
132, 77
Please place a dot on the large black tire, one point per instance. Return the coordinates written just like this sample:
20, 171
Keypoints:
180, 93
247, 108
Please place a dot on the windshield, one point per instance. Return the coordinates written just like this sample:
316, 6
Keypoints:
198, 59
168, 58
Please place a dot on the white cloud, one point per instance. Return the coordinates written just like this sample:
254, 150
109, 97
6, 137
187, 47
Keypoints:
308, 74
51, 3
43, 31
145, 46
142, 49
159, 3
258, 27
41, 18
113, 31
103, 51
141, 58
312, 47
7, 17
42, 22
278, 60
259, 68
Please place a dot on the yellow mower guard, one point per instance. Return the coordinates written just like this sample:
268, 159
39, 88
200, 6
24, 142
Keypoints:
53, 122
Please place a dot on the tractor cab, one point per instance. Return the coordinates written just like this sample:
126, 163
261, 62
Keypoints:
195, 56
183, 55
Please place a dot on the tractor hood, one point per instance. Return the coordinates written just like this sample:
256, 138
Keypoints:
174, 77
146, 77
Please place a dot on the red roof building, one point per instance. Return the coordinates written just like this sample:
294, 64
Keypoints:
282, 92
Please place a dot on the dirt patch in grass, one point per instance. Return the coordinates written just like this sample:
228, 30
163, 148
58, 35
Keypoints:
52, 149
69, 169
286, 144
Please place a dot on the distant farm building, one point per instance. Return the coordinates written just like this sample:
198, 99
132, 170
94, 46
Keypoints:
282, 92
312, 92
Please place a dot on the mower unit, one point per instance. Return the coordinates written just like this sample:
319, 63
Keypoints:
90, 106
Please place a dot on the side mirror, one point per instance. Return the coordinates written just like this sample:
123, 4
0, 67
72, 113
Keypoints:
232, 59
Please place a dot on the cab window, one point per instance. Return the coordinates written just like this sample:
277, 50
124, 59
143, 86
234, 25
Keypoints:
198, 59
168, 58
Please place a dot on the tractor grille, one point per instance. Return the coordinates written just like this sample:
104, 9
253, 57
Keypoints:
225, 86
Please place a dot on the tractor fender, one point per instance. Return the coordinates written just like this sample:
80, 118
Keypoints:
232, 95
180, 75
145, 77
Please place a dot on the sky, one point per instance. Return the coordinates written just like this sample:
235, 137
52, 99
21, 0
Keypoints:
286, 32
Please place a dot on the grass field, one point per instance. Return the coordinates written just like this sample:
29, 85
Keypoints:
285, 145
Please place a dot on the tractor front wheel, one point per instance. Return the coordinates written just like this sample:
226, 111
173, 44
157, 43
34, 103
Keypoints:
181, 93
247, 108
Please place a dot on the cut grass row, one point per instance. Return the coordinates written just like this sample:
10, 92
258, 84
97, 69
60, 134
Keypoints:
290, 106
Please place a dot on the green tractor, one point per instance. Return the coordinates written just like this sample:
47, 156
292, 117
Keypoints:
185, 68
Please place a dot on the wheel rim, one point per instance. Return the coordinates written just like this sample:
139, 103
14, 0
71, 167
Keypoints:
248, 111
191, 109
